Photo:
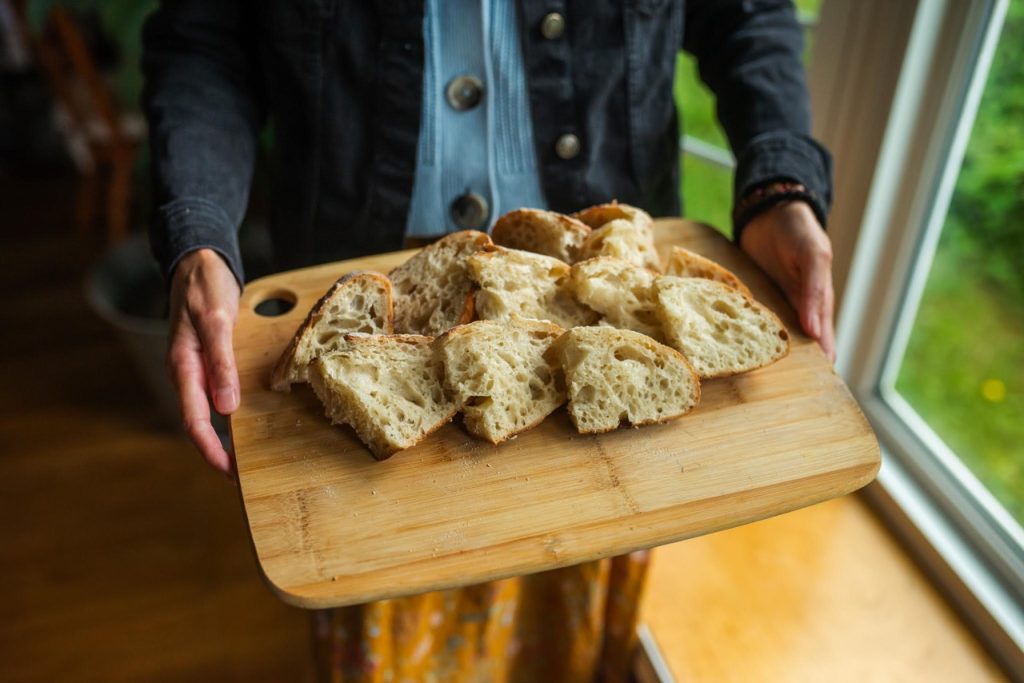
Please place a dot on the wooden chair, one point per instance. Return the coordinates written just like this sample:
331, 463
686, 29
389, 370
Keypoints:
101, 138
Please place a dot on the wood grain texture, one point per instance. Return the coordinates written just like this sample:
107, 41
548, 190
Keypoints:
331, 526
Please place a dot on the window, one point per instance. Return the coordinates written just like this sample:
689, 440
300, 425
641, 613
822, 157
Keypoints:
962, 367
928, 253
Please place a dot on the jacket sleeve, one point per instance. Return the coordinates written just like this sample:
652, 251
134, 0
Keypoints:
205, 110
749, 54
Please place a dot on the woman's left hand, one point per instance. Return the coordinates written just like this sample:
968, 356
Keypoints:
790, 245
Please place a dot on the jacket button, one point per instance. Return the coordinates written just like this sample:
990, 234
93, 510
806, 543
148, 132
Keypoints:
552, 26
464, 92
470, 211
567, 146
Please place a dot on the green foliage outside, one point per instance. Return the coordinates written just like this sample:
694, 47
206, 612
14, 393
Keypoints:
964, 367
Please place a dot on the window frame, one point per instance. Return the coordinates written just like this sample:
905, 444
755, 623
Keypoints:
925, 64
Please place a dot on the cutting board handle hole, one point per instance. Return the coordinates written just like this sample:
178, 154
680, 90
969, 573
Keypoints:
275, 303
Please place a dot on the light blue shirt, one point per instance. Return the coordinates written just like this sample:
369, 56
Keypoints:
488, 149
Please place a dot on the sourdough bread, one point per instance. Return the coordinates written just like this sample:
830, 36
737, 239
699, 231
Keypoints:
685, 263
541, 232
621, 292
625, 240
433, 292
500, 374
720, 330
620, 376
599, 215
520, 284
389, 389
359, 302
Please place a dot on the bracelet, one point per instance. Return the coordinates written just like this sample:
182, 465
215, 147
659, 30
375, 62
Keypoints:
764, 197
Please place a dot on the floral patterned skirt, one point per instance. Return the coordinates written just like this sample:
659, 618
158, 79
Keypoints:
569, 625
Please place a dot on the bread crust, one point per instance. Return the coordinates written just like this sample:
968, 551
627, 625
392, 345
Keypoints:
633, 338
558, 272
599, 214
681, 260
416, 339
475, 242
541, 326
543, 226
761, 308
279, 375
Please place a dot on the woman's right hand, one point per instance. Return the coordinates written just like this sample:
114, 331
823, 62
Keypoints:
200, 358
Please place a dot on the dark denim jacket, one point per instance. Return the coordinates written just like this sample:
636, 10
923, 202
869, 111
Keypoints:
341, 82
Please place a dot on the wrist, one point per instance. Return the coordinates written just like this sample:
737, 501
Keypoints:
771, 197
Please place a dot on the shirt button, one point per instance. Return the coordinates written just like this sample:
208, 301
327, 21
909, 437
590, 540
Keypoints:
567, 146
464, 92
552, 26
470, 211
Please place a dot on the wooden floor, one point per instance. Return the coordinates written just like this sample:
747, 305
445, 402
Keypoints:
126, 559
820, 594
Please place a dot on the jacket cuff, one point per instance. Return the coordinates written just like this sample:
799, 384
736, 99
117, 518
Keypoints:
785, 156
185, 225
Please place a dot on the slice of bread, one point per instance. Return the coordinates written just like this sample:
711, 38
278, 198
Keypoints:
520, 284
615, 376
621, 292
720, 330
625, 240
542, 232
500, 375
685, 263
597, 216
358, 302
389, 389
433, 292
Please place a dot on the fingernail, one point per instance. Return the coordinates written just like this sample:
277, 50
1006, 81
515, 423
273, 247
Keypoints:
226, 400
814, 325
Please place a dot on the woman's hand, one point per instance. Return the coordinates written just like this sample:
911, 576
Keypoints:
790, 245
200, 358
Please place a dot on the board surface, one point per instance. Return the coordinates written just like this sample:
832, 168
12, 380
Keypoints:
331, 526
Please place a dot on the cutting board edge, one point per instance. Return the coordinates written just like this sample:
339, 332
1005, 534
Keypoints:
322, 594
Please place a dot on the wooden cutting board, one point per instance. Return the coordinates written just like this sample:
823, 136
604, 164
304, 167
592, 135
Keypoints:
331, 526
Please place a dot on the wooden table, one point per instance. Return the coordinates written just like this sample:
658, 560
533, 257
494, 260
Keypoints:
332, 527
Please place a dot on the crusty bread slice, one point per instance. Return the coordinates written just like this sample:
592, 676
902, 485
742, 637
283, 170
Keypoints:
597, 216
720, 330
389, 389
520, 284
625, 240
500, 375
358, 302
433, 292
542, 232
685, 263
615, 376
621, 292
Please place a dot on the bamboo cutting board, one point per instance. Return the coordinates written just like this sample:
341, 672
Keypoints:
331, 526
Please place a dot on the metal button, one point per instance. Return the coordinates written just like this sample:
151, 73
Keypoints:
552, 26
567, 146
470, 211
464, 92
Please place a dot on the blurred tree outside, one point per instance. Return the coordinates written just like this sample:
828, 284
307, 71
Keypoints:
963, 370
